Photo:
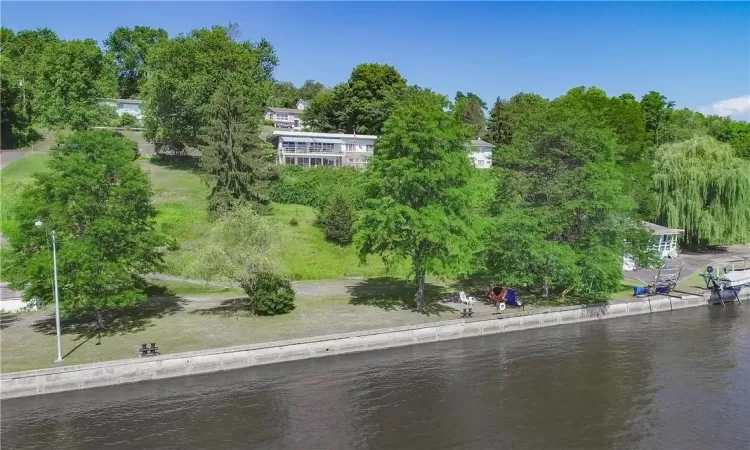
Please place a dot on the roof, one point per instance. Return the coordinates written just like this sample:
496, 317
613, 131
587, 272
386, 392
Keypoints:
286, 110
660, 230
129, 100
313, 135
480, 143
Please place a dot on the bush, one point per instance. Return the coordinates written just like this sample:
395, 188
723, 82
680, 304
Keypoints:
268, 122
269, 294
293, 222
314, 186
337, 220
128, 120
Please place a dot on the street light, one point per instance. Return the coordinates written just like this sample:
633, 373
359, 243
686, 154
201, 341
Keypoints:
59, 360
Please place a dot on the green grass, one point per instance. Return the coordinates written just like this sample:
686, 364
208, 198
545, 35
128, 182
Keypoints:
13, 178
169, 287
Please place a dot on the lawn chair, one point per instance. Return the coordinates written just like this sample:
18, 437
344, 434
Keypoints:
466, 299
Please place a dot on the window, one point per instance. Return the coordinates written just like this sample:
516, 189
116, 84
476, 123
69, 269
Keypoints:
282, 116
370, 148
304, 162
289, 160
350, 147
480, 162
322, 147
316, 162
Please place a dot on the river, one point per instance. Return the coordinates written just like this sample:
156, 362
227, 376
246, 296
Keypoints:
676, 380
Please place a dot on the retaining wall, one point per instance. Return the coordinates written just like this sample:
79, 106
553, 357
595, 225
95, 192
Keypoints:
59, 379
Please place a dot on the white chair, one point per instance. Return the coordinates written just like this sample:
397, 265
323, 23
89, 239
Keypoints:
466, 299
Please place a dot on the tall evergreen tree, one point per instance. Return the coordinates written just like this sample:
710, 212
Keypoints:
237, 161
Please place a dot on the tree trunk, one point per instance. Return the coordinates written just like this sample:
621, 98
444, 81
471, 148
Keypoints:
100, 319
545, 288
420, 291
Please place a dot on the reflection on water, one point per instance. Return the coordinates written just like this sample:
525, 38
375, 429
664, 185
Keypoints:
668, 380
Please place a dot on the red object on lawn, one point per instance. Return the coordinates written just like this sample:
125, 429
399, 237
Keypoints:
497, 294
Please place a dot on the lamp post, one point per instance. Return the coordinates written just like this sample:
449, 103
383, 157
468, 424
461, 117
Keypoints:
59, 359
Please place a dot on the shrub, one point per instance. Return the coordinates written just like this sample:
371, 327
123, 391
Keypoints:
268, 122
128, 120
337, 220
293, 222
314, 186
268, 293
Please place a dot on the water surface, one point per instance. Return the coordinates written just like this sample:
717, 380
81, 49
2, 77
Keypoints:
676, 380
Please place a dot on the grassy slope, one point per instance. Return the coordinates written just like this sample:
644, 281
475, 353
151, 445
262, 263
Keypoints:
12, 180
180, 197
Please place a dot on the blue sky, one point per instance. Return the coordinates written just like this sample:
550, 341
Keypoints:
697, 54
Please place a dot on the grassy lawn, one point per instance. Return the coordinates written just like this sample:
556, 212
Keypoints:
179, 323
180, 198
12, 180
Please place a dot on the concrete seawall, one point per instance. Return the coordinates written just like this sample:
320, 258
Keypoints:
59, 379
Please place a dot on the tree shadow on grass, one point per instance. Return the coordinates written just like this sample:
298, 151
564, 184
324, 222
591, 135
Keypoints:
226, 308
188, 163
393, 294
7, 319
117, 322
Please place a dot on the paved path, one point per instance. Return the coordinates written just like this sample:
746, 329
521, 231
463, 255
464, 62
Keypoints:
693, 262
8, 156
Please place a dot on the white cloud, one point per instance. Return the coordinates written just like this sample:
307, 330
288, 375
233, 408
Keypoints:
737, 108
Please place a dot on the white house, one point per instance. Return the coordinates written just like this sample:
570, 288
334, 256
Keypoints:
481, 153
664, 239
126, 105
310, 149
290, 118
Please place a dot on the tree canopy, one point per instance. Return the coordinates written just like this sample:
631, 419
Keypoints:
129, 48
470, 110
184, 73
418, 203
703, 188
362, 104
74, 77
97, 199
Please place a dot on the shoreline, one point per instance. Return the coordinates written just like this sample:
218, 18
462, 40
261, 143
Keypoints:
86, 376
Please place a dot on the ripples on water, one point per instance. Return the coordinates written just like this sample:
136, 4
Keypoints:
670, 381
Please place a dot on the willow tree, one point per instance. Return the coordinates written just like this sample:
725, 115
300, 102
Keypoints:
703, 188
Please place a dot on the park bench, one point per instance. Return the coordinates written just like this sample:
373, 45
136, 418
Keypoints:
145, 350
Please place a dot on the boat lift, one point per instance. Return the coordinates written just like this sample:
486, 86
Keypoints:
731, 280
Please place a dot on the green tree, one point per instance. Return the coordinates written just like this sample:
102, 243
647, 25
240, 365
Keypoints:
337, 220
470, 110
22, 54
703, 188
129, 48
237, 161
284, 95
310, 89
74, 77
656, 111
13, 127
362, 104
506, 116
562, 213
97, 199
185, 71
418, 203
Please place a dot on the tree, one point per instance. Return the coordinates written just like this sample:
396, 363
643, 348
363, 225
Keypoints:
562, 213
129, 48
656, 111
470, 110
310, 89
337, 220
74, 77
507, 115
284, 95
238, 162
97, 199
418, 204
185, 71
13, 126
703, 188
22, 54
244, 246
362, 104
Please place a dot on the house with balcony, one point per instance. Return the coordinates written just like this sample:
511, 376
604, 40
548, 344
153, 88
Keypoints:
309, 149
481, 153
289, 118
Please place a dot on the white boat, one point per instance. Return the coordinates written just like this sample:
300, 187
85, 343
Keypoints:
735, 278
